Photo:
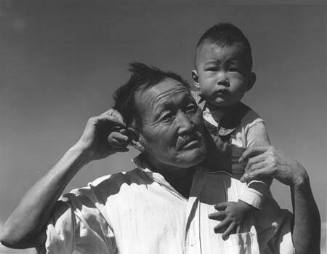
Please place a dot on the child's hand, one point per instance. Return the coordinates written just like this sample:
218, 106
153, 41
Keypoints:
231, 215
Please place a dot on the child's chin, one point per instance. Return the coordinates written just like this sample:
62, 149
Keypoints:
221, 103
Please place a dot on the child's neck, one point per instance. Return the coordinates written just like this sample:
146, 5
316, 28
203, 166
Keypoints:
219, 112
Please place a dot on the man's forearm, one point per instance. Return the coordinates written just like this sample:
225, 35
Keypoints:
28, 219
306, 231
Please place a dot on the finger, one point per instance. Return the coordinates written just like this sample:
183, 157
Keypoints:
255, 160
253, 151
221, 225
217, 216
132, 133
114, 113
115, 139
256, 166
229, 230
258, 174
114, 116
117, 136
121, 149
221, 206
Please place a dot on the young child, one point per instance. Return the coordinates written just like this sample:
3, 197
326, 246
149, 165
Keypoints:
223, 74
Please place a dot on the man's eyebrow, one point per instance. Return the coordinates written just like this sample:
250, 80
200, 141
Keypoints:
170, 103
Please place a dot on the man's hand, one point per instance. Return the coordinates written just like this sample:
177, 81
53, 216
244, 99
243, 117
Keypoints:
265, 162
269, 162
25, 226
231, 215
103, 135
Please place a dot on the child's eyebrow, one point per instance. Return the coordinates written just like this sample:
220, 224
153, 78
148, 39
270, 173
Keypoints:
234, 60
212, 62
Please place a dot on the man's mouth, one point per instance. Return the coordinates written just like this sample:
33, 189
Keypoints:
188, 142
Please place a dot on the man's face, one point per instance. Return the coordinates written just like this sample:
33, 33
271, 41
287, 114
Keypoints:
223, 73
172, 125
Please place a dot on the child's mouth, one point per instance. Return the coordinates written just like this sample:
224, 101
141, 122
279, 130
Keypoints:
221, 93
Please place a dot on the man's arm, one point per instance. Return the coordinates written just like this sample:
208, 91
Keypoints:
307, 225
24, 226
268, 162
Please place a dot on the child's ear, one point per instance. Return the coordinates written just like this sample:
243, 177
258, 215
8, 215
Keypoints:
195, 78
252, 79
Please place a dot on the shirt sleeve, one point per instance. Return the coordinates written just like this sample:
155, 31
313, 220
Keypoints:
77, 226
256, 135
60, 230
274, 228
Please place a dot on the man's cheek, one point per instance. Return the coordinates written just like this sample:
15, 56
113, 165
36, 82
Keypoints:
197, 118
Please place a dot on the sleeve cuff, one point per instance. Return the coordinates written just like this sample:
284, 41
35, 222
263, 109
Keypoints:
252, 197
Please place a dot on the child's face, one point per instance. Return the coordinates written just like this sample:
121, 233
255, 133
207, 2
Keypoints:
223, 73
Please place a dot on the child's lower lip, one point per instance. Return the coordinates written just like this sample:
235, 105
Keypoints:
221, 93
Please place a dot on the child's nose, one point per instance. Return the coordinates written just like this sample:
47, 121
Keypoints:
222, 79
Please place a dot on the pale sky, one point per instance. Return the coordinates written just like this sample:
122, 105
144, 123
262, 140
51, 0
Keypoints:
61, 61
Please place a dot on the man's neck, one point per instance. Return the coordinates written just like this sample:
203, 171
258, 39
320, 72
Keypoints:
179, 178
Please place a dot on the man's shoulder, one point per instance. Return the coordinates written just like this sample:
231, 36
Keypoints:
108, 185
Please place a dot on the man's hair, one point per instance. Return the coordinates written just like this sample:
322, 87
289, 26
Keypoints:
142, 77
226, 34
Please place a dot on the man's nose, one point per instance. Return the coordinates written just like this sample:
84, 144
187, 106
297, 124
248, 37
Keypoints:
184, 122
222, 79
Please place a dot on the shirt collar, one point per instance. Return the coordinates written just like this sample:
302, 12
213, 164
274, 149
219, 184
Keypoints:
228, 123
142, 164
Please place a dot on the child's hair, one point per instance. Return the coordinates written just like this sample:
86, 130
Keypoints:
226, 34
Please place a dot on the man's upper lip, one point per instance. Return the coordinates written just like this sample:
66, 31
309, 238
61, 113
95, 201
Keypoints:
187, 139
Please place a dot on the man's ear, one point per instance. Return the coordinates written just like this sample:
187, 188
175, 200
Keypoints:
195, 78
252, 79
135, 139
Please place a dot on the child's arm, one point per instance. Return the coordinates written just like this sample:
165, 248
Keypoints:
256, 135
232, 214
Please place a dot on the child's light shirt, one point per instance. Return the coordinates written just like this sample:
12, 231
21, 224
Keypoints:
240, 129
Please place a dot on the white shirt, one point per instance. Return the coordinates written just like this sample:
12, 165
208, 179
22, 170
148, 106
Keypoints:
140, 212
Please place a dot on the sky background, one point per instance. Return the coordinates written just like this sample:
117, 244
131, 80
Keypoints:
61, 61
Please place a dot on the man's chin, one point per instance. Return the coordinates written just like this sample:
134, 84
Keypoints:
192, 157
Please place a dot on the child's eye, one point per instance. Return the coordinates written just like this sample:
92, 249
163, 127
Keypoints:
234, 69
211, 69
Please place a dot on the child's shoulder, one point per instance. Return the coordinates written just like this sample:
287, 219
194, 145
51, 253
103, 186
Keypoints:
250, 117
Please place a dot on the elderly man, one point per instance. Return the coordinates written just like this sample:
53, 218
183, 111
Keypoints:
163, 205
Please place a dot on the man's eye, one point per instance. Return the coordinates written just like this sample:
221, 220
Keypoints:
191, 108
167, 116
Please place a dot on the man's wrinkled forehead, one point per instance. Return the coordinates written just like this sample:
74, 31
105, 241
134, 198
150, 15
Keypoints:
162, 93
